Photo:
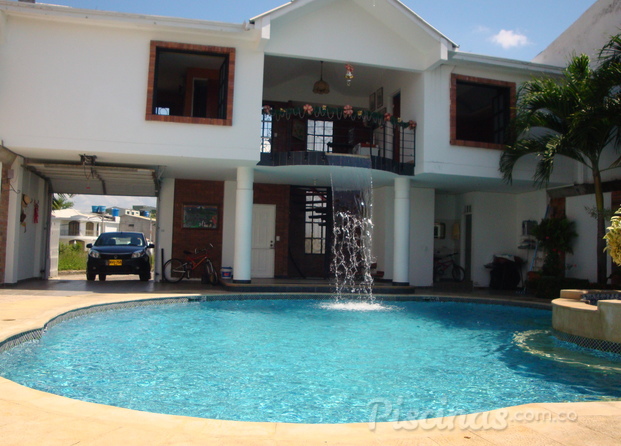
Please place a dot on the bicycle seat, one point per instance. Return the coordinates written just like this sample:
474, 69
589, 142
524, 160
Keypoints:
187, 253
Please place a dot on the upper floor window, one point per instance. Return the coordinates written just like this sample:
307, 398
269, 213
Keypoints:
480, 111
190, 83
74, 228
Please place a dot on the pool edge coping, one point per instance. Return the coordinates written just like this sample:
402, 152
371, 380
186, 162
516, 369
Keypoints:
76, 409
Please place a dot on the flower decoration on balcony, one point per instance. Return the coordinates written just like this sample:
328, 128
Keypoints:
349, 73
613, 238
331, 113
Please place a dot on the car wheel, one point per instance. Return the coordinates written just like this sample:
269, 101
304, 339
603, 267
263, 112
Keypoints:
145, 276
102, 277
90, 276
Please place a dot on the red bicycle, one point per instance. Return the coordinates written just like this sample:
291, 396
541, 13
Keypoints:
177, 269
443, 264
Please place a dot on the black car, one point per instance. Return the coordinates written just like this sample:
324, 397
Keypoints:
119, 253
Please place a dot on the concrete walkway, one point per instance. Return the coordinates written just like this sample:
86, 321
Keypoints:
31, 417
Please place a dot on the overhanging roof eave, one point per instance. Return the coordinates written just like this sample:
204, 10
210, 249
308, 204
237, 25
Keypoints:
459, 58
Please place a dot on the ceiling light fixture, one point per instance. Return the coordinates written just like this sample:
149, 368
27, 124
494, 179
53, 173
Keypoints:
321, 86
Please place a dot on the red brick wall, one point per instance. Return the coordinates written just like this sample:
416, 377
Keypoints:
212, 193
201, 193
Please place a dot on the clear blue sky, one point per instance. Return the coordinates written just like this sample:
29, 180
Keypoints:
524, 27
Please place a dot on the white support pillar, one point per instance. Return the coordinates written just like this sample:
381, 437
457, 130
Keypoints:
243, 225
401, 251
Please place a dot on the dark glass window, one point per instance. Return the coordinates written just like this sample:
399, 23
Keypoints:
482, 112
190, 83
315, 221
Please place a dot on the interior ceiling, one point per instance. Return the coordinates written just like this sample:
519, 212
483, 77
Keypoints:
279, 70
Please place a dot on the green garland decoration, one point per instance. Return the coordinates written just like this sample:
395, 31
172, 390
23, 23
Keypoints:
346, 112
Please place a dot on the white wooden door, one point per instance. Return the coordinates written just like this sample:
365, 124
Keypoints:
263, 239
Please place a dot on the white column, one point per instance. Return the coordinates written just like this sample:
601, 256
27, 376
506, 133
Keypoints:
401, 251
243, 225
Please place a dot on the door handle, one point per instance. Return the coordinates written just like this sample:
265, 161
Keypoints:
271, 244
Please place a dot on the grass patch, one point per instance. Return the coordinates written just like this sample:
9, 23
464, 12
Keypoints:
71, 257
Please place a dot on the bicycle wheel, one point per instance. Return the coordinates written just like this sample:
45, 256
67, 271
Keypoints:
459, 274
174, 270
210, 272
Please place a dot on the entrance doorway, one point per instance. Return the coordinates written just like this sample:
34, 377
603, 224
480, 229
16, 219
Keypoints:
263, 239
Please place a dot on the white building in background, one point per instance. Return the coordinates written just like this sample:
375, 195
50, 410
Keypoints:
77, 227
587, 35
71, 227
223, 123
139, 223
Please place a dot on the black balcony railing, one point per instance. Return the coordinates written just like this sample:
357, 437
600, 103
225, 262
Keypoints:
304, 138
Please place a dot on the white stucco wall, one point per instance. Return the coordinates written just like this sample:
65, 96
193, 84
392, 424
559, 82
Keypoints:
54, 244
383, 222
585, 251
25, 245
494, 229
316, 32
89, 93
422, 205
448, 212
530, 206
165, 211
435, 154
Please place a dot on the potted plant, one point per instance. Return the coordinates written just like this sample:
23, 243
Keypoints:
555, 236
613, 238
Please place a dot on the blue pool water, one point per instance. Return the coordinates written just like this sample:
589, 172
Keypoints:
304, 361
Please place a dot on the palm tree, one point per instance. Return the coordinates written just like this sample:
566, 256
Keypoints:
61, 201
609, 74
570, 116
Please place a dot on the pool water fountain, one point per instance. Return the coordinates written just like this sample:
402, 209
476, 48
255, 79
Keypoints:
352, 207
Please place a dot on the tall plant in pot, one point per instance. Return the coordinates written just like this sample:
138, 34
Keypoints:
555, 236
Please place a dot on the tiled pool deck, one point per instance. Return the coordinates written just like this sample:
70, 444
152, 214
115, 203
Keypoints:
31, 417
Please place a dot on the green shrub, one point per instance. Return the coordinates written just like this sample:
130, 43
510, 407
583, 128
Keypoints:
549, 287
71, 257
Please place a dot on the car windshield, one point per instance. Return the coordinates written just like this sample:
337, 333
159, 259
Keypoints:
120, 239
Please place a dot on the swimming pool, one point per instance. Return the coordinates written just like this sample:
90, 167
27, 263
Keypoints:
304, 361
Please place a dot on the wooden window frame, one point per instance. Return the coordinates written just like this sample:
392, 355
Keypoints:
174, 46
478, 80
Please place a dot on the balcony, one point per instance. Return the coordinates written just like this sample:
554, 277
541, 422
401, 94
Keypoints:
307, 135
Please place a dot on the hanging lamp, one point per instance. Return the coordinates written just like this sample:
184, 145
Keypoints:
321, 86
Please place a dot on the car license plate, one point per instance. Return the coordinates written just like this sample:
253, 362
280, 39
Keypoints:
115, 262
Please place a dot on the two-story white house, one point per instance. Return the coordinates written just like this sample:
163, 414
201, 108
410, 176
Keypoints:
77, 227
71, 226
240, 129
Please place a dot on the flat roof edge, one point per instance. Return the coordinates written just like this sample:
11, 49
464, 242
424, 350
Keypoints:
500, 62
43, 9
